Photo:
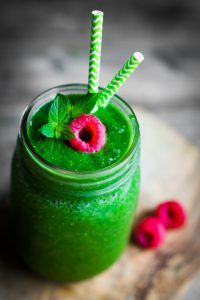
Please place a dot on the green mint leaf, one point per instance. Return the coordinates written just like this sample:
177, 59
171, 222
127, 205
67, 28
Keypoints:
84, 106
48, 130
67, 133
58, 131
58, 110
69, 106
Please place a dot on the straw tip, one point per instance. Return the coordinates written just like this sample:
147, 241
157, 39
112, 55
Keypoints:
97, 13
139, 56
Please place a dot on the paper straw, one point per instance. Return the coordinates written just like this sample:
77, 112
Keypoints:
95, 51
128, 68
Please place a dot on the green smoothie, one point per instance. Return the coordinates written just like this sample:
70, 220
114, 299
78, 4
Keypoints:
119, 135
74, 210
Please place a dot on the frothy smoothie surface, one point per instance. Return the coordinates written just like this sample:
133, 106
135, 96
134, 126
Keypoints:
119, 136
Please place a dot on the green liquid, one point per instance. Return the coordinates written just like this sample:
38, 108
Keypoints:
59, 153
71, 230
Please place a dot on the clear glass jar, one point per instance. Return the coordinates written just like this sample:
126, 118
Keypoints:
72, 225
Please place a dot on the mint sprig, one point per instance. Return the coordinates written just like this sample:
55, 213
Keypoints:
57, 120
58, 111
61, 112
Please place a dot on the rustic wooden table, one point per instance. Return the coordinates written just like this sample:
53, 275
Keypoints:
44, 44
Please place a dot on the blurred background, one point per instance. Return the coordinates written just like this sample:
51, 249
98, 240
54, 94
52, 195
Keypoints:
46, 43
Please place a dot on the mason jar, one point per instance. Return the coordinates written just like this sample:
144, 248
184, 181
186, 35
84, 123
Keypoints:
72, 225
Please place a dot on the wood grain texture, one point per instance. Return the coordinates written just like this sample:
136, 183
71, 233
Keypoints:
170, 168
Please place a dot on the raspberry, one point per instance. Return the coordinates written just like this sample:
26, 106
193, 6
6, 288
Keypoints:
90, 133
150, 233
172, 214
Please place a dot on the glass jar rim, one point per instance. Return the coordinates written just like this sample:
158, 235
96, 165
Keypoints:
55, 170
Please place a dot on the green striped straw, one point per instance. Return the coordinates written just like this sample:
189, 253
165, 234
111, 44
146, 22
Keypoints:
95, 51
122, 75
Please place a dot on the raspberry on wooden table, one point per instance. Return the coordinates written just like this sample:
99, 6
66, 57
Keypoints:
172, 214
150, 233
